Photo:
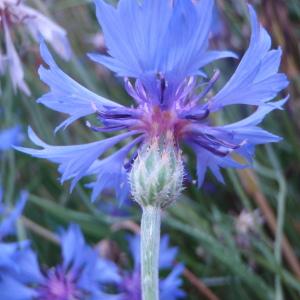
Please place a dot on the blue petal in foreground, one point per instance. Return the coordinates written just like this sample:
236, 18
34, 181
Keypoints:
111, 173
244, 132
74, 161
256, 80
66, 95
175, 43
248, 130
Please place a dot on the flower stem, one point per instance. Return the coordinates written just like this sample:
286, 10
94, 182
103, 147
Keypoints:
150, 239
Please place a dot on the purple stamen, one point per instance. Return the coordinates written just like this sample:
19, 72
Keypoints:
162, 86
216, 141
129, 164
209, 86
211, 148
197, 115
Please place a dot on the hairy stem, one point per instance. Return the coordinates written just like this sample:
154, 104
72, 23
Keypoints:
150, 239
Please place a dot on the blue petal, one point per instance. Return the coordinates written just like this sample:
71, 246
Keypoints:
72, 243
244, 132
211, 56
74, 161
131, 35
167, 254
134, 247
7, 251
111, 173
256, 80
84, 263
175, 44
108, 272
7, 226
12, 289
66, 95
99, 295
207, 160
258, 116
18, 260
248, 130
170, 287
28, 270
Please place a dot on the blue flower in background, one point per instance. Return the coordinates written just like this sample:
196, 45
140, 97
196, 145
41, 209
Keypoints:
160, 48
10, 137
128, 285
77, 277
82, 275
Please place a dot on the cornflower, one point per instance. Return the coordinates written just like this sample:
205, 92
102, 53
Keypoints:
16, 16
163, 51
160, 49
77, 277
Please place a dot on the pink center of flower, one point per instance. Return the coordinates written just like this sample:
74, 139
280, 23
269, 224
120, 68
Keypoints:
157, 122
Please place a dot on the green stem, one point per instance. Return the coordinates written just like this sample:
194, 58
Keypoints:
150, 239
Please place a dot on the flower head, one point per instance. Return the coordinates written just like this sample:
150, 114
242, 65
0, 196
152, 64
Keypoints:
128, 285
77, 277
160, 48
157, 174
14, 15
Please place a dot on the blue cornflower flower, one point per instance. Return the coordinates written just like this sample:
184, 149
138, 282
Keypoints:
10, 137
77, 277
128, 286
162, 46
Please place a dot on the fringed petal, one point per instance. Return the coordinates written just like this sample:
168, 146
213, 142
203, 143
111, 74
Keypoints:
66, 95
256, 79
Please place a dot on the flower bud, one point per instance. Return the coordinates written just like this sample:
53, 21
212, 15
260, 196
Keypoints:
157, 175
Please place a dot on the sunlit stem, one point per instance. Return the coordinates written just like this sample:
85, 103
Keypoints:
150, 239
